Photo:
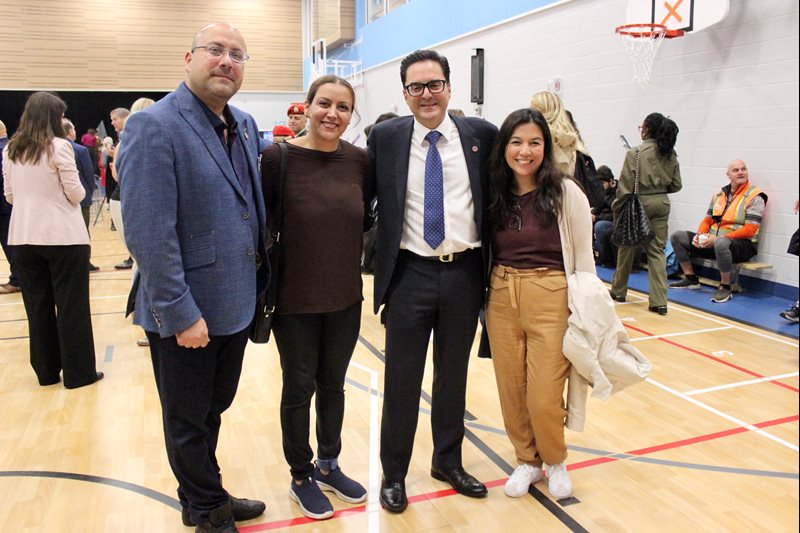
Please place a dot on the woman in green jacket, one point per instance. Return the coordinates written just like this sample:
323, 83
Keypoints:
659, 175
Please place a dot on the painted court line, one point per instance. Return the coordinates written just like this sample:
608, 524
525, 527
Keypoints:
373, 507
680, 333
716, 359
726, 416
742, 383
734, 326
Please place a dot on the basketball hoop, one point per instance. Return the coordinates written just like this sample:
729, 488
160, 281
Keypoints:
642, 42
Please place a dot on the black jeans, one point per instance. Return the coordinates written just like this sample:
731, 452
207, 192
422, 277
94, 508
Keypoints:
315, 352
55, 291
195, 387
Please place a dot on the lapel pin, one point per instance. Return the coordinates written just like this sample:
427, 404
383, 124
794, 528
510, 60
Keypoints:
474, 148
246, 137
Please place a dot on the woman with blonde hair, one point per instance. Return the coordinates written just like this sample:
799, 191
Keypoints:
51, 244
565, 138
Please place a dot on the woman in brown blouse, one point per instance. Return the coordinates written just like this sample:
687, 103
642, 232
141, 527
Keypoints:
542, 230
318, 311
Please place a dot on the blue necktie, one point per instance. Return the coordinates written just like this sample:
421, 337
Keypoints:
434, 193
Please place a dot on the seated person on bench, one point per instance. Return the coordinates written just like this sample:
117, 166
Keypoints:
728, 233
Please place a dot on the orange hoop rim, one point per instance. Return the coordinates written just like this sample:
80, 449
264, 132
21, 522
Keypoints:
646, 31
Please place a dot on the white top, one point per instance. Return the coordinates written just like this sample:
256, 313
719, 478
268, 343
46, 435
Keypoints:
460, 230
46, 197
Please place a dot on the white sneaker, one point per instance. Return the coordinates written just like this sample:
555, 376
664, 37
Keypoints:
558, 481
523, 477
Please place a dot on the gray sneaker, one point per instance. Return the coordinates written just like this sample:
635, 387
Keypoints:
721, 295
685, 283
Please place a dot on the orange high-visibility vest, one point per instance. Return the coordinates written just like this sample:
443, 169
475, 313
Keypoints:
731, 216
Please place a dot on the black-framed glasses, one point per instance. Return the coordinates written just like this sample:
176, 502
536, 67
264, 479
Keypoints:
515, 220
434, 86
237, 56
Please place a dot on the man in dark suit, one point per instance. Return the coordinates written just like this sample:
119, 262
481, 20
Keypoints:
432, 184
193, 218
14, 283
83, 160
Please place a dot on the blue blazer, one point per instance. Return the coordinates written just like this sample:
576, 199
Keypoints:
187, 221
84, 162
5, 207
389, 147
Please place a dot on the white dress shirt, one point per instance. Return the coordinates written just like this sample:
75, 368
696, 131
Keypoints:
460, 231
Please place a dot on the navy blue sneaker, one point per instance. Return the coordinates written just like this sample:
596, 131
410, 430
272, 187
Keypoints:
309, 497
345, 488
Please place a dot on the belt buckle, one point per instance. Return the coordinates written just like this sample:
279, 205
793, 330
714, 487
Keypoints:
448, 258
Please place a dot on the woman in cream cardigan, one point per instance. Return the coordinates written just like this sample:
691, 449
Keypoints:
51, 244
542, 230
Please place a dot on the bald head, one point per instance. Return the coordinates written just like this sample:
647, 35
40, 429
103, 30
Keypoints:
737, 173
3, 130
211, 73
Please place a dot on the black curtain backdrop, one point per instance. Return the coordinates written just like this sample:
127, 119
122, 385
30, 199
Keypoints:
84, 108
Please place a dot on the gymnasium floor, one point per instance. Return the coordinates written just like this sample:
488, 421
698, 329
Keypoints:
708, 443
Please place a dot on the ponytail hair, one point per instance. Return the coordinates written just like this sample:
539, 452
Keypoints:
664, 131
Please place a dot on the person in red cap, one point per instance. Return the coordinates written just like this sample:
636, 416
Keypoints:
280, 133
297, 119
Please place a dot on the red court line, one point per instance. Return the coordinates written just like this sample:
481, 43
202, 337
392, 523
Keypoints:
716, 359
684, 442
491, 484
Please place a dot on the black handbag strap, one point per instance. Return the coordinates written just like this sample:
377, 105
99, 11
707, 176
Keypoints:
277, 226
636, 172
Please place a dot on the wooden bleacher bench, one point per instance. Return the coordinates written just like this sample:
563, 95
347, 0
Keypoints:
735, 286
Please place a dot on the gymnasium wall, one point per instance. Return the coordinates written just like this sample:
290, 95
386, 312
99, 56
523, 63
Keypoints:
131, 45
732, 89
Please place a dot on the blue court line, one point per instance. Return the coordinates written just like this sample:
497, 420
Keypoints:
138, 489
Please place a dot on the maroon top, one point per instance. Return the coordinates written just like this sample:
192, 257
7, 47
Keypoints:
525, 243
324, 199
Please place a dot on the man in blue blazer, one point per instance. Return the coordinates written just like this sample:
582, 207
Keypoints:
14, 283
432, 255
194, 215
83, 159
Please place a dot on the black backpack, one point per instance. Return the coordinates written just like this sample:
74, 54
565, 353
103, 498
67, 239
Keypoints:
586, 175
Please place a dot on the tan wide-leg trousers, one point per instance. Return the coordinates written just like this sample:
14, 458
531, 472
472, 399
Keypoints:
526, 320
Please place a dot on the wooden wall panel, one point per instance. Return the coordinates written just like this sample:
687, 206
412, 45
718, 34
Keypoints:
140, 44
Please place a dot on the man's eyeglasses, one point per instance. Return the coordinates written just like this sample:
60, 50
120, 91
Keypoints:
434, 86
237, 56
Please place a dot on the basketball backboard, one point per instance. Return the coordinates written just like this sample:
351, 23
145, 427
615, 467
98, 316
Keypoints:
686, 15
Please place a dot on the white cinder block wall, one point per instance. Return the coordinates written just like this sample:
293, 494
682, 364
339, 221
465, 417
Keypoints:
732, 89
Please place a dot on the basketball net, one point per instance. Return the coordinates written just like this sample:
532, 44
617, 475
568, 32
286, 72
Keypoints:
642, 42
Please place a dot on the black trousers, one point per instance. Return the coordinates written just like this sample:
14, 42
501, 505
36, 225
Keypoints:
5, 222
195, 387
425, 297
55, 291
315, 352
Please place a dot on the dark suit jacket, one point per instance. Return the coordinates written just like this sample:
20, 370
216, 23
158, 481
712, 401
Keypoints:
187, 220
389, 148
84, 162
5, 207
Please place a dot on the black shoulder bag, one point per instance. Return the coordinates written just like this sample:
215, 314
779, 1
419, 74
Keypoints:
632, 227
261, 326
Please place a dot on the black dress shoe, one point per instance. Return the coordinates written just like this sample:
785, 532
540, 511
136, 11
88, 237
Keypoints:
616, 298
393, 496
241, 508
461, 481
660, 309
220, 520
